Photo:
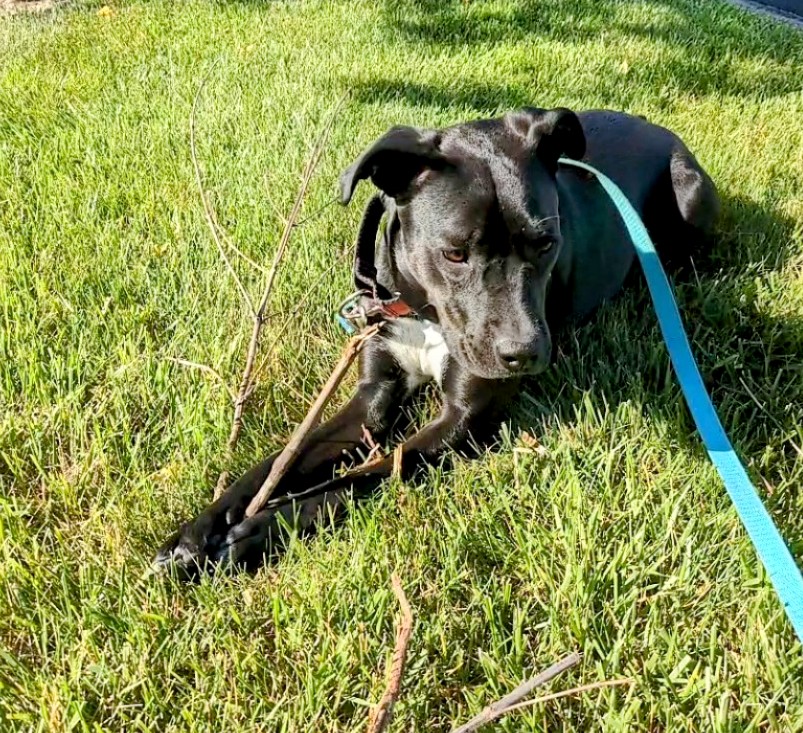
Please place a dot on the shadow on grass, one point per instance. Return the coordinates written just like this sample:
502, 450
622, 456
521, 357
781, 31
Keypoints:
705, 49
474, 96
747, 356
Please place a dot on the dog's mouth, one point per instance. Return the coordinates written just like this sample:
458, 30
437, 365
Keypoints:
475, 365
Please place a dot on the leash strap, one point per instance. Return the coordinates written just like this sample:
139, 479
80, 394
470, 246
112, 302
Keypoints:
371, 302
769, 544
364, 267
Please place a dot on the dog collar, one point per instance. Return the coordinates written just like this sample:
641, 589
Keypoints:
363, 308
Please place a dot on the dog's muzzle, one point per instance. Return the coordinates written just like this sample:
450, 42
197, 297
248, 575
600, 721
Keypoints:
523, 357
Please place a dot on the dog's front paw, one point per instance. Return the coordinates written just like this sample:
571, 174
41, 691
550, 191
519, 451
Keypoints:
253, 540
199, 545
184, 554
226, 539
223, 536
196, 547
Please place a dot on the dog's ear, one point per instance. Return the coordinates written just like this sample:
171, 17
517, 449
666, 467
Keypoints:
552, 132
394, 162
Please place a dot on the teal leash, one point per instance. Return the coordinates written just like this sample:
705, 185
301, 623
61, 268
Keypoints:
769, 544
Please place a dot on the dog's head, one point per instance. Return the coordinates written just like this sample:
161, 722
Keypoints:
479, 231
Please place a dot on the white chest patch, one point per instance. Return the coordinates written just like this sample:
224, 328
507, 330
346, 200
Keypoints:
418, 347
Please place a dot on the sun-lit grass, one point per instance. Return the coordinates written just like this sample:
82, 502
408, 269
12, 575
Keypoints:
617, 540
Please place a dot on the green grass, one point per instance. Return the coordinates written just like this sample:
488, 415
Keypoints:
620, 542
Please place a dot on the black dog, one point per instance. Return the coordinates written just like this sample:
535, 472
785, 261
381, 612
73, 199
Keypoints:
492, 243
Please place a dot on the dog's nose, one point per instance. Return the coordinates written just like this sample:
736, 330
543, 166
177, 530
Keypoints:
519, 356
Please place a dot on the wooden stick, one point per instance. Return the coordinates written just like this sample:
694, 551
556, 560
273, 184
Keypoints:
382, 714
525, 688
259, 314
398, 457
290, 453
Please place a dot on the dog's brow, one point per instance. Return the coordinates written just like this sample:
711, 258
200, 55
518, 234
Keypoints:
465, 241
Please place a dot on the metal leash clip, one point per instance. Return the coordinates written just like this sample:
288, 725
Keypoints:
351, 313
362, 308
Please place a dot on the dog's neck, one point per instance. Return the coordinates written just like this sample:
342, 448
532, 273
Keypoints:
394, 272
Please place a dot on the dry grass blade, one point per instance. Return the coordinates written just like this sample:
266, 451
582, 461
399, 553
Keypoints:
204, 368
525, 688
288, 456
566, 693
382, 714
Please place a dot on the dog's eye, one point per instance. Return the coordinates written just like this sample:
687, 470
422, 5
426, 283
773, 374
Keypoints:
455, 255
543, 245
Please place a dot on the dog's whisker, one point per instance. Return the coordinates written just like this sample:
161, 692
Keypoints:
546, 219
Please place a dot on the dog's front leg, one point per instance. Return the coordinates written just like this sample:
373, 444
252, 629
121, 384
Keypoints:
471, 412
204, 541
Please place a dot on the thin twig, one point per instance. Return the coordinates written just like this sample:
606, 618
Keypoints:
205, 368
259, 314
567, 693
382, 714
228, 241
374, 449
525, 688
277, 212
288, 456
296, 210
318, 211
208, 211
290, 315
